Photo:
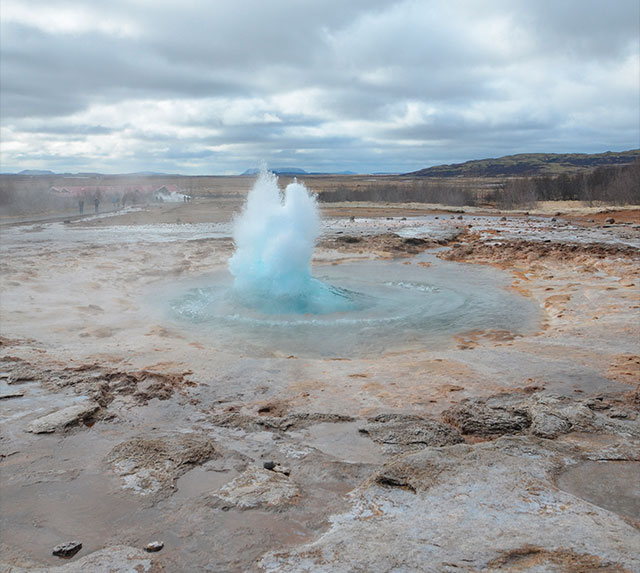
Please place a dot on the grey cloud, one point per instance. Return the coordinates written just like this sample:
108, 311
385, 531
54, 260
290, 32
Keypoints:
491, 74
64, 129
450, 128
584, 28
48, 75
180, 153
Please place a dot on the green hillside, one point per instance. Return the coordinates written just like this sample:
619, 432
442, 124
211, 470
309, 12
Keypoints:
525, 164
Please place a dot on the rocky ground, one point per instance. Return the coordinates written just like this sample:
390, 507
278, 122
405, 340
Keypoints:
501, 452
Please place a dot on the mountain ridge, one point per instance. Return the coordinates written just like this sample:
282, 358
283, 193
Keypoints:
530, 164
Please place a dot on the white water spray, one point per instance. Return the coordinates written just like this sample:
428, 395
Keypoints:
275, 236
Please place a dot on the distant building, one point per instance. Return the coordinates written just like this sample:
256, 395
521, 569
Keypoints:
168, 194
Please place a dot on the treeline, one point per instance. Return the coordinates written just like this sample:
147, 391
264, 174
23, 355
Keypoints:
615, 185
611, 185
29, 196
22, 195
414, 191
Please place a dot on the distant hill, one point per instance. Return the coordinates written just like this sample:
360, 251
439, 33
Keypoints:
278, 171
36, 172
525, 164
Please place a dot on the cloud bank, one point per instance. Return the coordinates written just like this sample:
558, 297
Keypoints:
367, 85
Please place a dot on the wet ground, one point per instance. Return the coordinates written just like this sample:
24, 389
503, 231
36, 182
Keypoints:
162, 428
614, 485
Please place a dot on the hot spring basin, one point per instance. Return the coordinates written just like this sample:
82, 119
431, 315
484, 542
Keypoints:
379, 306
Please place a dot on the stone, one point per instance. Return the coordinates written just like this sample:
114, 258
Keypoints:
68, 549
496, 416
256, 488
154, 546
269, 465
402, 433
282, 470
64, 418
615, 413
549, 426
553, 415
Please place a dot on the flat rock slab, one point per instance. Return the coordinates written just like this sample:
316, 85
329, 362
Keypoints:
257, 488
5, 395
488, 507
119, 558
401, 433
64, 418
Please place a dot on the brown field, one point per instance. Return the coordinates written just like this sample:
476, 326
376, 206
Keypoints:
30, 195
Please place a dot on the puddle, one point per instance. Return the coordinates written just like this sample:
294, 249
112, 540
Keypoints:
201, 480
57, 506
343, 442
613, 485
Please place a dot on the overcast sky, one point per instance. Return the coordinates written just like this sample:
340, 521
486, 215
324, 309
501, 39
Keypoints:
216, 86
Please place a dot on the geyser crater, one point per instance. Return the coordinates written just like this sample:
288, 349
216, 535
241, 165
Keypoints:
272, 302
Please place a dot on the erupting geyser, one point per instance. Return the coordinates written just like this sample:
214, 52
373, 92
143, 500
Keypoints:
274, 237
271, 302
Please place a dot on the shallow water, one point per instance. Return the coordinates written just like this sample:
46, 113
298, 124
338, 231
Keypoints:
363, 308
614, 485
